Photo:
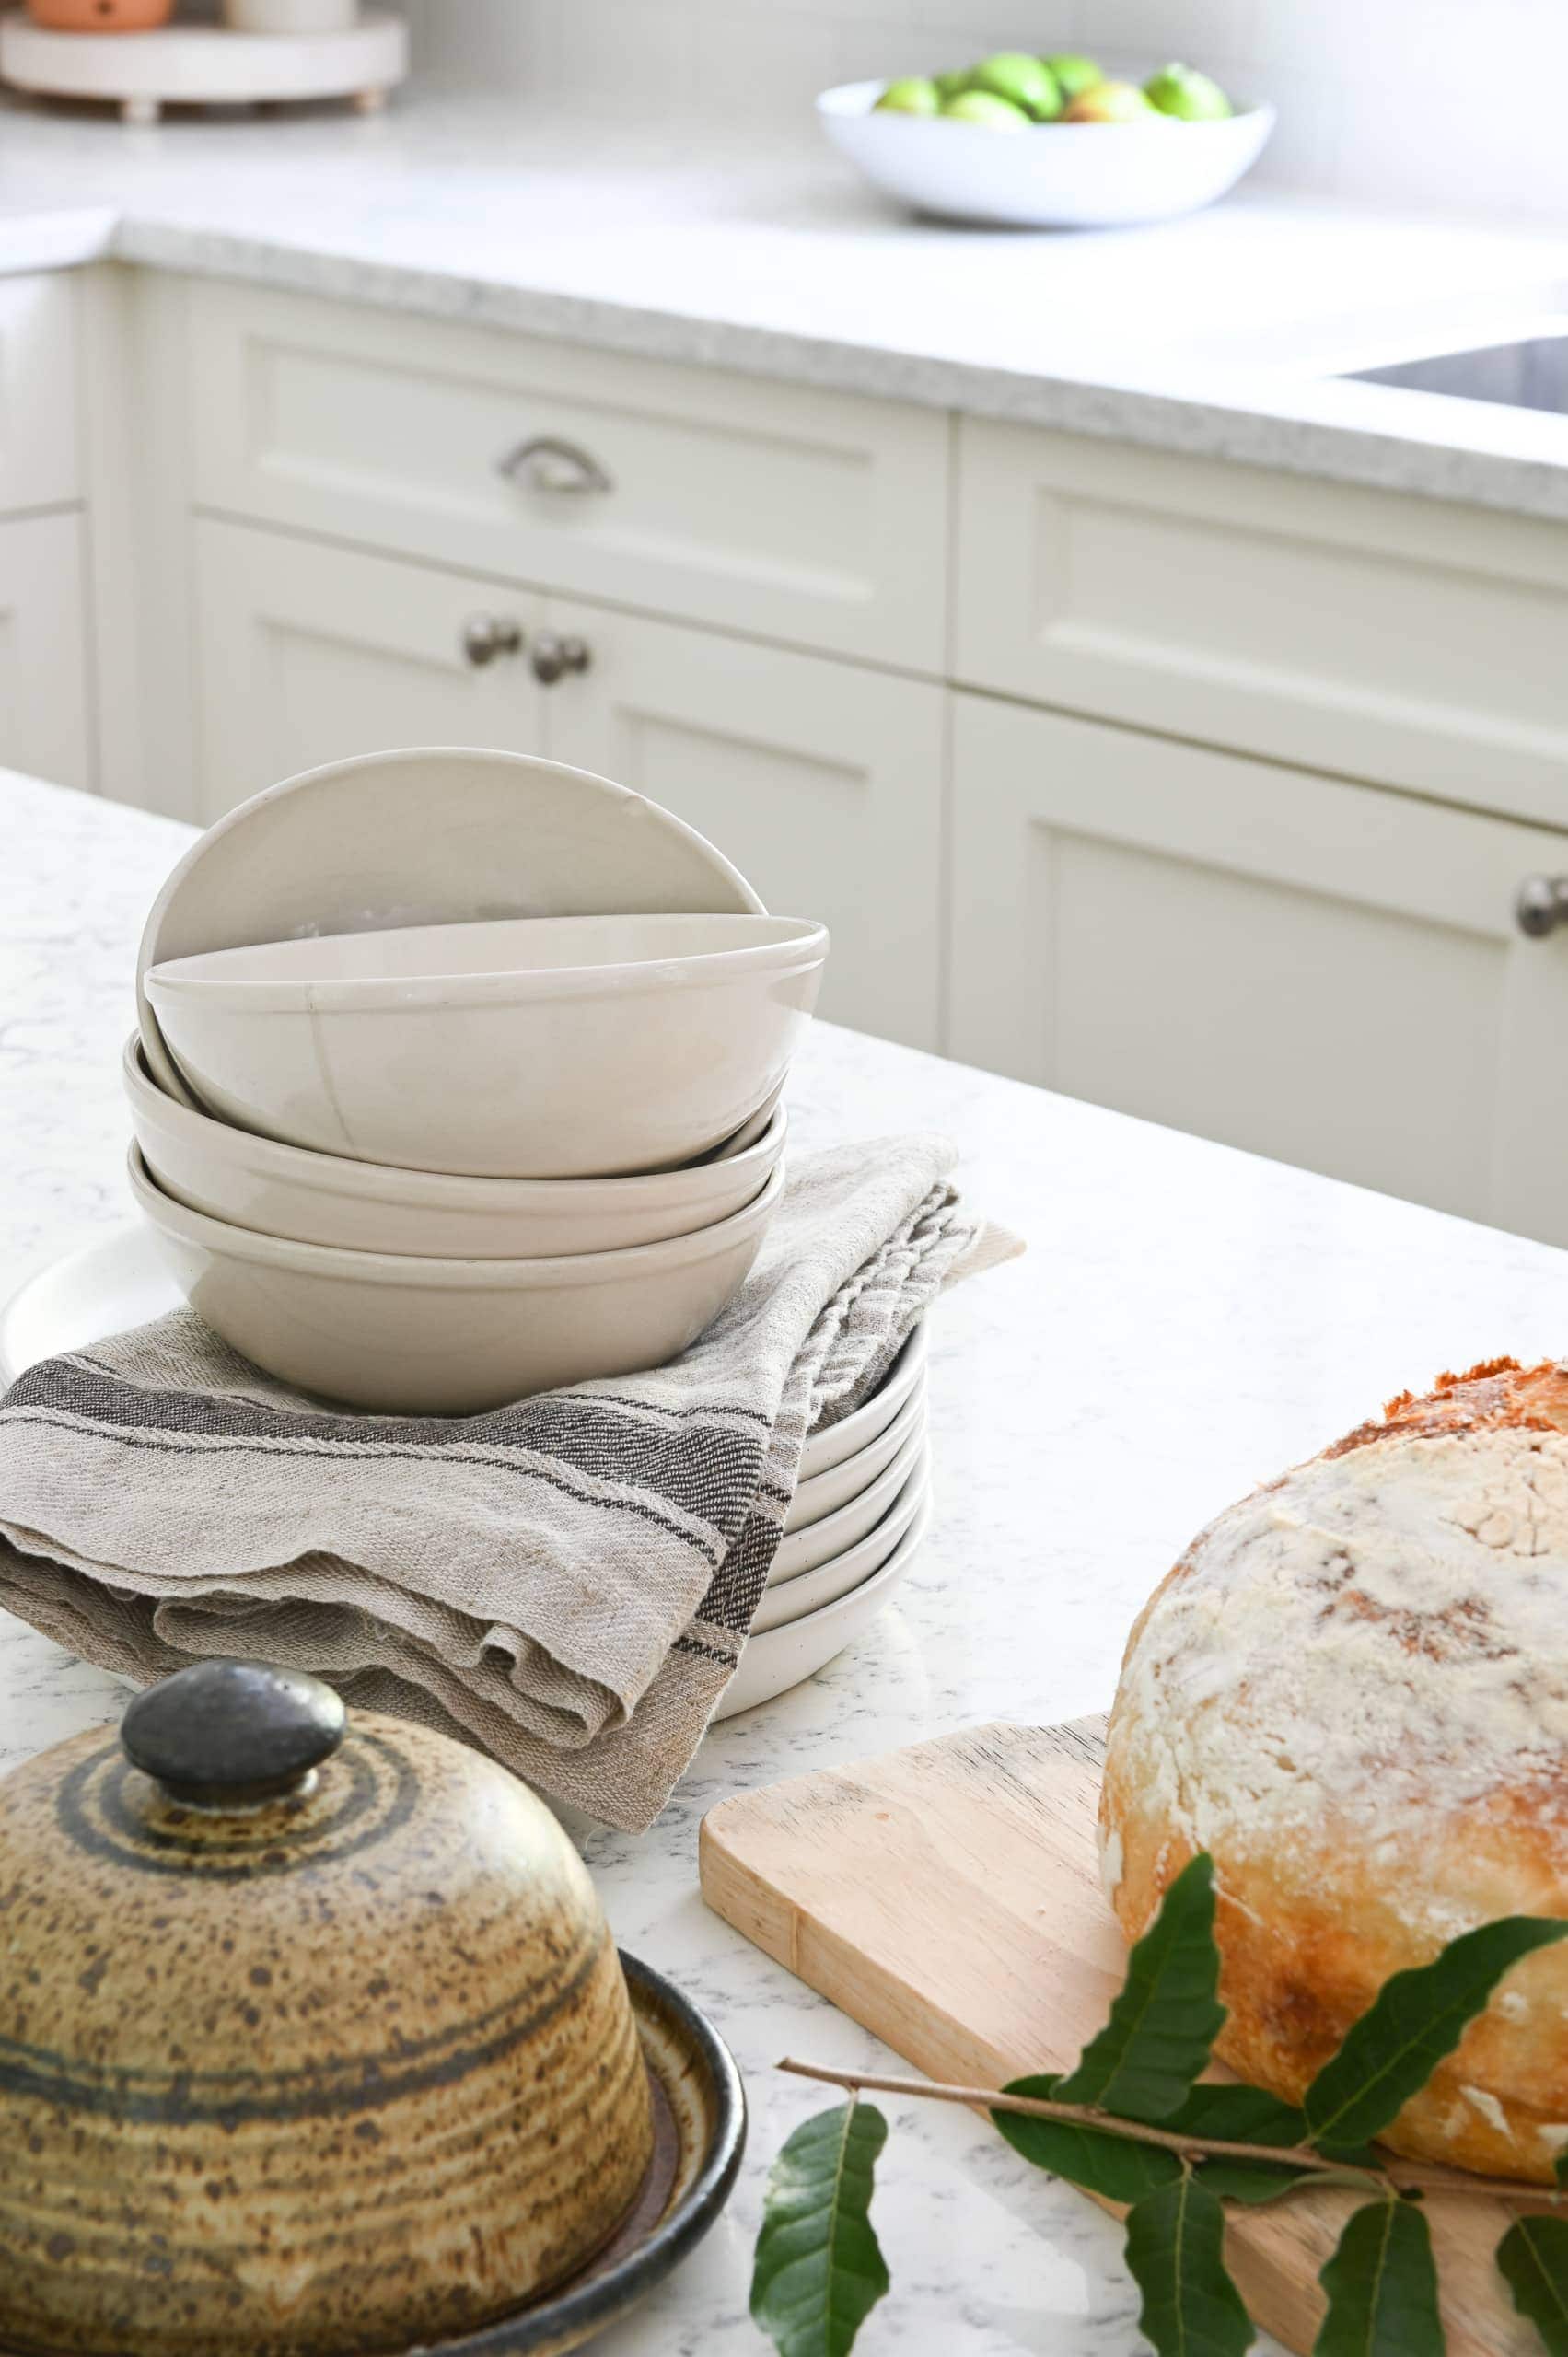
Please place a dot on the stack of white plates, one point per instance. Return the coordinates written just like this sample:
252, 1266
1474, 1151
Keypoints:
860, 1510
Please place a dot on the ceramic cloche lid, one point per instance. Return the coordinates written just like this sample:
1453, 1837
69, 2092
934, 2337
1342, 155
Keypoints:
312, 2036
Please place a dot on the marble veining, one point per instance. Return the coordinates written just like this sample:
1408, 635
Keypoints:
1187, 1320
759, 251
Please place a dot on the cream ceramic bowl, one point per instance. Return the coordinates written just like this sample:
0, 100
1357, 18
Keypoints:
792, 1599
835, 1441
536, 1048
368, 1207
433, 835
804, 1551
825, 1492
405, 1336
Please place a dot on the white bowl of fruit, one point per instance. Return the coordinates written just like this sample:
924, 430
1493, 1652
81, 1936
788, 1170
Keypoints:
1047, 142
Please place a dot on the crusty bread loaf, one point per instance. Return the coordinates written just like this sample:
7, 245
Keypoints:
1353, 1692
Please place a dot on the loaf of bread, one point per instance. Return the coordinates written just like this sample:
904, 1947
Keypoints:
1353, 1692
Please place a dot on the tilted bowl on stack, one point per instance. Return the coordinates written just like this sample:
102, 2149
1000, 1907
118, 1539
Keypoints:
458, 1078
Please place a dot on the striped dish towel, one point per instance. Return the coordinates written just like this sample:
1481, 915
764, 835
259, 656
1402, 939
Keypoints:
567, 1582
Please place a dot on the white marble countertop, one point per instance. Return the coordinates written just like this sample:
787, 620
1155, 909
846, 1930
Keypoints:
1219, 334
1187, 1320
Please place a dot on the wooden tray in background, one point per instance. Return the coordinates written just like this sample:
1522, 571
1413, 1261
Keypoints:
948, 1898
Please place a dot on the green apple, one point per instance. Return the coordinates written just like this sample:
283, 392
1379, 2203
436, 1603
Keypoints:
1109, 102
1022, 80
986, 110
1072, 76
949, 85
1181, 90
913, 95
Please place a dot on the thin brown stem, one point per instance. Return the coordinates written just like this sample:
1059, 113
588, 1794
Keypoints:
1403, 2176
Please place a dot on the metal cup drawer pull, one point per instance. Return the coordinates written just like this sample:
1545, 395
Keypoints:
484, 636
552, 656
551, 464
1540, 905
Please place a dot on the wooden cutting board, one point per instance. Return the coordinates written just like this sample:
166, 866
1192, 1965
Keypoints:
948, 1898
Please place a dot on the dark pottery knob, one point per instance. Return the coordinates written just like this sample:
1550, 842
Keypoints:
231, 1734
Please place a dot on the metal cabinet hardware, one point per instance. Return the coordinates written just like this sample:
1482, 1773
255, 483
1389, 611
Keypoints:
551, 464
1540, 905
484, 636
554, 656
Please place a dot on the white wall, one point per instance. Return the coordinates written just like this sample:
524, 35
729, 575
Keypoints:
1461, 103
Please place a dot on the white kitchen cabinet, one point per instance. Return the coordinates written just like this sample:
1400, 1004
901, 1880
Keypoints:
307, 653
1319, 971
1358, 632
45, 704
797, 514
821, 781
39, 458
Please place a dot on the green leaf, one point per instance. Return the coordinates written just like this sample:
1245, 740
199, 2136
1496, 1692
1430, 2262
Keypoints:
1255, 2182
1166, 2017
1237, 2115
1533, 2256
1417, 2018
819, 2270
1381, 2287
1175, 2252
1112, 2166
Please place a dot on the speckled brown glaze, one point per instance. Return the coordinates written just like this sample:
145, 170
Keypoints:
354, 2070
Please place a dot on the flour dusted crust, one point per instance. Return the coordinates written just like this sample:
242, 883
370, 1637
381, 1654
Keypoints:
1353, 1690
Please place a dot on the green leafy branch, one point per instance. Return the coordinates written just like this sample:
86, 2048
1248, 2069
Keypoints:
1135, 2123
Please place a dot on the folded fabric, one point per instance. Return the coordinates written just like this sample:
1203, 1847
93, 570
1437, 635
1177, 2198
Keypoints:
567, 1582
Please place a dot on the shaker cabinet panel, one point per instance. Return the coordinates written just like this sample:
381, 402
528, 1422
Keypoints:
796, 514
39, 460
46, 723
307, 654
1361, 632
822, 783
1316, 971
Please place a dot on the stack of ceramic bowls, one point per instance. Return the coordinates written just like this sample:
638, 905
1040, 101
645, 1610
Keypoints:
861, 1507
458, 1077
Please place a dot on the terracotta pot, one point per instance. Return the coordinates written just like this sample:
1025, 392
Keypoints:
100, 16
317, 2040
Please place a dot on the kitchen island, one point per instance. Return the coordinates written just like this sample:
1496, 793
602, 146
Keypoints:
1187, 1320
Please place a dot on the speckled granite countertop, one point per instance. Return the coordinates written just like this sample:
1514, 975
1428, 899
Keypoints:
1219, 334
1187, 1320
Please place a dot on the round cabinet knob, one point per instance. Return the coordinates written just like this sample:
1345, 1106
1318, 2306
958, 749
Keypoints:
548, 463
554, 656
487, 635
1540, 905
232, 1734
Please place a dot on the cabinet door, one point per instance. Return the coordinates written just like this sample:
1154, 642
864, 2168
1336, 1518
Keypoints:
822, 783
308, 652
1321, 972
45, 720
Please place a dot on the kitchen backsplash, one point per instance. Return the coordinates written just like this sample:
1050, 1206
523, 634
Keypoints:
1451, 102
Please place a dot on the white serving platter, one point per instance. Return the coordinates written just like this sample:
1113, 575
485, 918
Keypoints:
830, 1447
794, 1598
772, 1660
102, 1288
824, 1493
188, 65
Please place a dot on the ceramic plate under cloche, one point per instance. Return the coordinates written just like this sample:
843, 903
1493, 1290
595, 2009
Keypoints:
700, 2136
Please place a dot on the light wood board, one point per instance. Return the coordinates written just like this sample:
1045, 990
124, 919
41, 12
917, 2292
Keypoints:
948, 1898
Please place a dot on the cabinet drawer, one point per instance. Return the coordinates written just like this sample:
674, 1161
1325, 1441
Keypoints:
39, 463
1316, 971
794, 514
1420, 645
